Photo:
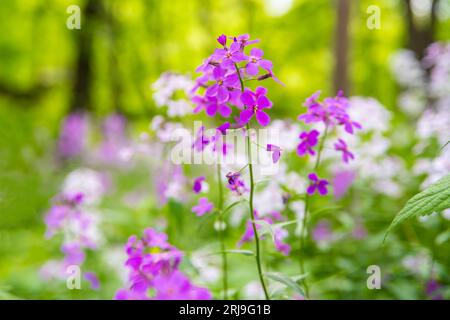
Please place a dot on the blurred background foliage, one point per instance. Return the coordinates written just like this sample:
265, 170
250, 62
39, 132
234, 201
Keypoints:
47, 70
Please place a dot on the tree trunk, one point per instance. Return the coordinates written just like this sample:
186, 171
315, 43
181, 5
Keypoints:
340, 77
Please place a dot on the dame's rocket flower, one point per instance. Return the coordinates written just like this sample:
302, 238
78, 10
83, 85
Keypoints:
255, 104
255, 61
276, 152
317, 184
198, 184
308, 141
342, 146
223, 83
153, 264
235, 183
204, 206
229, 56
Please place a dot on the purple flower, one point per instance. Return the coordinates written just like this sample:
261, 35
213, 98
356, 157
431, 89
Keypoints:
342, 180
317, 184
224, 83
342, 146
203, 206
432, 290
244, 40
322, 232
72, 139
153, 264
93, 280
222, 39
230, 56
223, 128
276, 152
256, 61
197, 187
332, 111
308, 141
201, 141
176, 286
255, 103
235, 183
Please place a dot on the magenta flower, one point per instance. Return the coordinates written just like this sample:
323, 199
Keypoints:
255, 103
309, 140
235, 183
222, 39
244, 40
322, 232
276, 152
153, 264
256, 61
348, 123
342, 181
203, 207
198, 183
91, 277
176, 286
223, 128
223, 83
342, 146
201, 141
230, 56
72, 139
317, 184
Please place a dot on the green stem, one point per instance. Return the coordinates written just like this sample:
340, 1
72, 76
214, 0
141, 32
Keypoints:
222, 235
252, 214
252, 188
305, 215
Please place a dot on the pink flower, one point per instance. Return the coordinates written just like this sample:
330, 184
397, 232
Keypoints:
317, 184
342, 146
203, 207
276, 152
255, 103
308, 141
342, 181
197, 187
235, 183
255, 61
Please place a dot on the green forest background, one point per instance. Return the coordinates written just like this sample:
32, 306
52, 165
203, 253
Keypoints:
47, 70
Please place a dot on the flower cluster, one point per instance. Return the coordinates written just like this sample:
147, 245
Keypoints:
67, 216
222, 80
154, 267
331, 112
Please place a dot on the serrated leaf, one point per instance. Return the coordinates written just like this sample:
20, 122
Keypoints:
435, 198
287, 281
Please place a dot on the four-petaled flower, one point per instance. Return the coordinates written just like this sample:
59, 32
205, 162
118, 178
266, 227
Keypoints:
276, 152
255, 103
224, 84
317, 184
203, 206
309, 140
255, 61
342, 146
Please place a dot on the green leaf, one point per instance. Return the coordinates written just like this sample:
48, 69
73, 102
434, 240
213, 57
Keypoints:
287, 281
435, 198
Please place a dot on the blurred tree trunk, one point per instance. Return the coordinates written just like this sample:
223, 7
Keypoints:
340, 76
81, 99
420, 36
